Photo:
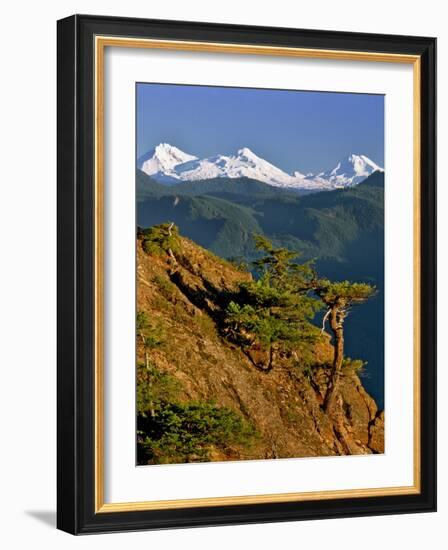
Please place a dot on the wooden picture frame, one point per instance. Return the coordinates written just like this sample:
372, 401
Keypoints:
82, 40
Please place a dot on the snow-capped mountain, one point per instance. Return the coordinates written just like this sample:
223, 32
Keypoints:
163, 158
350, 171
168, 164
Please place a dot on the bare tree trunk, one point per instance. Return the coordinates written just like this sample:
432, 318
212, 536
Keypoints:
324, 320
152, 412
271, 358
170, 252
336, 323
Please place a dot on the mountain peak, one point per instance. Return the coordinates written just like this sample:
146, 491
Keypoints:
355, 158
350, 171
163, 158
168, 164
247, 153
164, 147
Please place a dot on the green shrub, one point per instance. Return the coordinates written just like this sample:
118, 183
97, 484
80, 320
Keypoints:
187, 432
355, 366
159, 239
171, 431
154, 389
166, 287
239, 263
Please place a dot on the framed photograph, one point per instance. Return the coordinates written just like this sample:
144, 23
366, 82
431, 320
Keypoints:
246, 274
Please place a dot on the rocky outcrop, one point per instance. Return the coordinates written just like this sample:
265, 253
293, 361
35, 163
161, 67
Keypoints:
285, 404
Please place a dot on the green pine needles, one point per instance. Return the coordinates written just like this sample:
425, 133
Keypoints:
160, 239
275, 311
188, 432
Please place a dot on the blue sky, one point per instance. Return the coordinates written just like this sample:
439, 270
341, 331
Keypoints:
295, 130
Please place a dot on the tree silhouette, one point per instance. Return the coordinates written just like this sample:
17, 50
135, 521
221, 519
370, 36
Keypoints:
339, 297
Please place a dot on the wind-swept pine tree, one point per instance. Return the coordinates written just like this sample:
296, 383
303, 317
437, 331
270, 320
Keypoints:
339, 297
275, 310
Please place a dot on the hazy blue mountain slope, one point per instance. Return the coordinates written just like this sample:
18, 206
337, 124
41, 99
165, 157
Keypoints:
222, 227
321, 225
235, 187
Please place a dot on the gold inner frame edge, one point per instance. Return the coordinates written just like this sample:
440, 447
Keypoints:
101, 42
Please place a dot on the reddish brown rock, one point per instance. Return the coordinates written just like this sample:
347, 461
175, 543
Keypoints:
284, 404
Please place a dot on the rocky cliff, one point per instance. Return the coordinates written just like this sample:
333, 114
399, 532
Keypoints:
181, 293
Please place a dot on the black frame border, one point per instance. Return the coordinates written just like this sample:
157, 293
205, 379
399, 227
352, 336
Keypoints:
76, 263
